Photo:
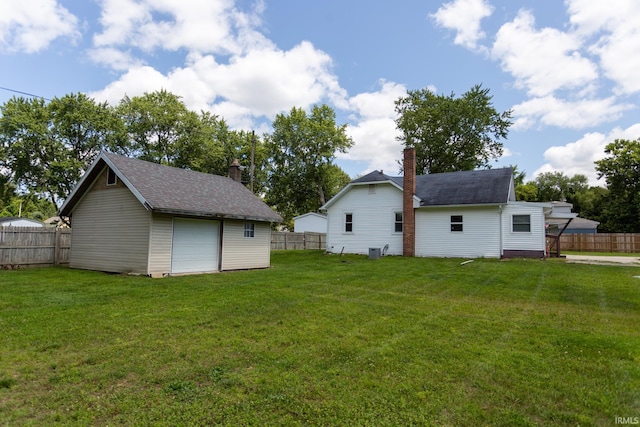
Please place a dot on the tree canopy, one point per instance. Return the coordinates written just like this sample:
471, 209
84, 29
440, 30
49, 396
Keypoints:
302, 147
452, 134
621, 170
45, 147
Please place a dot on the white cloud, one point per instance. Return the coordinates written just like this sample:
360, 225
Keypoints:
260, 84
134, 82
578, 157
30, 26
542, 61
552, 111
464, 16
196, 25
374, 130
614, 24
116, 59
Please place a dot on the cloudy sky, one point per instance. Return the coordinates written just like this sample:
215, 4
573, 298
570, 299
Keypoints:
568, 70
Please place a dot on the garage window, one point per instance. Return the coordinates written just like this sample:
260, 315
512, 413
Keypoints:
249, 229
112, 178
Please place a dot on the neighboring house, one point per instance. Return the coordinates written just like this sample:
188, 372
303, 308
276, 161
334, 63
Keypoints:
133, 216
459, 214
576, 225
314, 222
582, 226
12, 221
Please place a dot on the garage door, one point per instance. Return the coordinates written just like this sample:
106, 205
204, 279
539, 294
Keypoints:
195, 245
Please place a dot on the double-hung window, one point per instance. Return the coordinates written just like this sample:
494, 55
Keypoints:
521, 223
249, 229
456, 222
348, 223
398, 222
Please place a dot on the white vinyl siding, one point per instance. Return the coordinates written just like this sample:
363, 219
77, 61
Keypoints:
160, 244
110, 232
194, 248
240, 252
480, 236
533, 240
373, 220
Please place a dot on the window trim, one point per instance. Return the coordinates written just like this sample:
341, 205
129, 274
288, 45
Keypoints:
456, 223
348, 222
527, 224
249, 230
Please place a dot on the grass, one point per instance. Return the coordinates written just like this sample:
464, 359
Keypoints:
318, 341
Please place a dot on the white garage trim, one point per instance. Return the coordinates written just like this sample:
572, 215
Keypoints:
195, 245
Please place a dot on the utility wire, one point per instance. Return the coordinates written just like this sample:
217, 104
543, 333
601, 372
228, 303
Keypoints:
24, 93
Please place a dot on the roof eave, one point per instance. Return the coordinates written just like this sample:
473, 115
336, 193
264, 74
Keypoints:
217, 215
464, 205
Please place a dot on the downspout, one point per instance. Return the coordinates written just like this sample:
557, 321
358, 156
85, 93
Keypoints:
500, 228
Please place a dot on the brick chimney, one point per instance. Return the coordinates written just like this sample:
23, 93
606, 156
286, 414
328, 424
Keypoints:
235, 172
408, 213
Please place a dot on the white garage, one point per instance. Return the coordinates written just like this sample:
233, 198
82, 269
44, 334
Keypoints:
195, 245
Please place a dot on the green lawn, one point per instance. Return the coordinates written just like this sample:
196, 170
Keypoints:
323, 340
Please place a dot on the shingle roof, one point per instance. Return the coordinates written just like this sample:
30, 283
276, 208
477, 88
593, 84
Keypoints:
488, 186
178, 191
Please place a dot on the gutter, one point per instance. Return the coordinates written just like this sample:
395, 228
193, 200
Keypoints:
210, 215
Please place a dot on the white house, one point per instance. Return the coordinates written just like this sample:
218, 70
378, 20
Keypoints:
133, 216
459, 214
311, 221
12, 221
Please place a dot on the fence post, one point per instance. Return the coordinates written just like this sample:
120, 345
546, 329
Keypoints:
56, 247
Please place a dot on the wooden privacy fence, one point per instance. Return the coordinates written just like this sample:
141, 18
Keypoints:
601, 242
281, 240
34, 246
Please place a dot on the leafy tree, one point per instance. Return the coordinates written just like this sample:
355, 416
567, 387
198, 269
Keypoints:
47, 147
301, 150
452, 134
27, 150
621, 169
591, 204
527, 192
161, 129
556, 186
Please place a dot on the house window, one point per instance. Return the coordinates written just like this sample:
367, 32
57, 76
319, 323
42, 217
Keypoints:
398, 222
249, 229
372, 189
521, 223
348, 223
456, 222
112, 178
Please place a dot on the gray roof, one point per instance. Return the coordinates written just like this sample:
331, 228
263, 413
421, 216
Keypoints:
578, 224
488, 186
177, 191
